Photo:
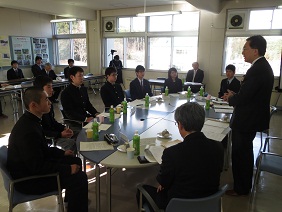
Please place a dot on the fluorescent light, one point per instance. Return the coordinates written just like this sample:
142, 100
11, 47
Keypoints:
159, 13
63, 20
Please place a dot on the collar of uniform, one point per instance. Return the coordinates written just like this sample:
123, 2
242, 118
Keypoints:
33, 116
256, 60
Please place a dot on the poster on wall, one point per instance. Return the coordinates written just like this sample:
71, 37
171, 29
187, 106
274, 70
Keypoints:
40, 48
22, 50
5, 54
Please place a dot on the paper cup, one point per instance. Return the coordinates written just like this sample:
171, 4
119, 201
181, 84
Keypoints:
101, 119
130, 152
118, 109
89, 133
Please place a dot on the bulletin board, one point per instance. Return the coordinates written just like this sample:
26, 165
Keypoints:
5, 53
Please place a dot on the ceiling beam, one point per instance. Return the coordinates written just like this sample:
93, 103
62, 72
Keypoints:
209, 5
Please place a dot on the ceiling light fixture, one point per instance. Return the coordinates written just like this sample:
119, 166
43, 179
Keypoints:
172, 12
63, 20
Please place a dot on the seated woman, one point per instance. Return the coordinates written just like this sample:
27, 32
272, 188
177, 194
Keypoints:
173, 83
111, 92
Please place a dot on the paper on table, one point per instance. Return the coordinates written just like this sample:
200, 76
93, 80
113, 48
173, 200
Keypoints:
148, 155
207, 128
201, 103
170, 143
104, 126
221, 102
217, 123
96, 145
214, 136
157, 152
108, 115
136, 102
223, 110
222, 106
174, 95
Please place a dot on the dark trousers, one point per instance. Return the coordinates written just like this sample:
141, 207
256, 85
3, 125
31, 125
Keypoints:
242, 160
76, 186
160, 198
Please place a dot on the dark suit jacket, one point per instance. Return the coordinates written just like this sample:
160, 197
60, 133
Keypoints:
173, 87
118, 65
136, 91
111, 94
50, 126
252, 102
51, 74
36, 70
76, 104
67, 72
11, 74
198, 78
191, 169
233, 86
28, 152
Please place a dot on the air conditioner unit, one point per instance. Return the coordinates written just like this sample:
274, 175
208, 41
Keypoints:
109, 26
236, 20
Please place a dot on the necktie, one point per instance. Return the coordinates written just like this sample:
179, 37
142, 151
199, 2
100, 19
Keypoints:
194, 75
141, 83
227, 82
16, 71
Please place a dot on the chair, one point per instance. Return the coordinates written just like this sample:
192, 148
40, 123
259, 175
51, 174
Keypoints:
206, 204
268, 162
159, 89
71, 122
16, 197
127, 95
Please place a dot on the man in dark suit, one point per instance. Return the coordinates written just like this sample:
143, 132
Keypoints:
230, 83
29, 154
140, 86
75, 100
15, 72
67, 69
117, 64
195, 75
51, 73
251, 113
37, 69
192, 168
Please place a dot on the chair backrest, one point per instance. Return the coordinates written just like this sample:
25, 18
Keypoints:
161, 78
272, 110
127, 95
3, 163
207, 204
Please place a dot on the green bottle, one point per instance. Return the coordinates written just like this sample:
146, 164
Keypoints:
189, 92
136, 143
95, 128
112, 114
202, 91
166, 91
208, 104
147, 100
124, 105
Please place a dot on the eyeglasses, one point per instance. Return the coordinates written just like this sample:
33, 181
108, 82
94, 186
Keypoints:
114, 75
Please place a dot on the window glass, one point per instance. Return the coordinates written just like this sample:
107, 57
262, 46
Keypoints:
80, 52
186, 21
64, 51
124, 24
138, 24
62, 28
114, 44
160, 23
277, 17
78, 27
260, 19
160, 53
135, 52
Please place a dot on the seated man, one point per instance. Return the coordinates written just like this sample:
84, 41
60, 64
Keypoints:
230, 83
50, 126
37, 69
29, 154
66, 69
111, 92
75, 100
192, 168
195, 75
51, 73
140, 86
15, 72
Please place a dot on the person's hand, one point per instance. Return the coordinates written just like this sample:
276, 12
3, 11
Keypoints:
227, 95
160, 188
89, 119
74, 168
67, 133
97, 114
4, 85
69, 153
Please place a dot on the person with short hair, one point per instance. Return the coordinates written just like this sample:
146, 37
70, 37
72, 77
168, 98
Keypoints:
140, 86
52, 128
51, 73
230, 83
66, 69
251, 113
111, 92
15, 72
117, 64
37, 69
195, 75
29, 155
192, 168
75, 100
173, 83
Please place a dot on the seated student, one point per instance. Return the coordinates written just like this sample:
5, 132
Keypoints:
173, 83
37, 69
15, 72
230, 83
50, 126
195, 75
111, 92
117, 64
29, 154
139, 86
51, 73
75, 100
192, 168
66, 69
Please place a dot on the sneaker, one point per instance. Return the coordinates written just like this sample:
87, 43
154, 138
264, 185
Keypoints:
3, 116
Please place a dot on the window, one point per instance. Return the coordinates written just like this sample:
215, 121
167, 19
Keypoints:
166, 41
265, 19
70, 42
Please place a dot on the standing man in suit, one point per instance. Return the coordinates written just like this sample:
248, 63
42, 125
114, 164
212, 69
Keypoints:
140, 86
195, 75
37, 69
66, 69
15, 72
251, 113
117, 64
49, 72
230, 83
192, 168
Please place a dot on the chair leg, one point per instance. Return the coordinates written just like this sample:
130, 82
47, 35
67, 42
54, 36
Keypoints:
260, 141
60, 203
